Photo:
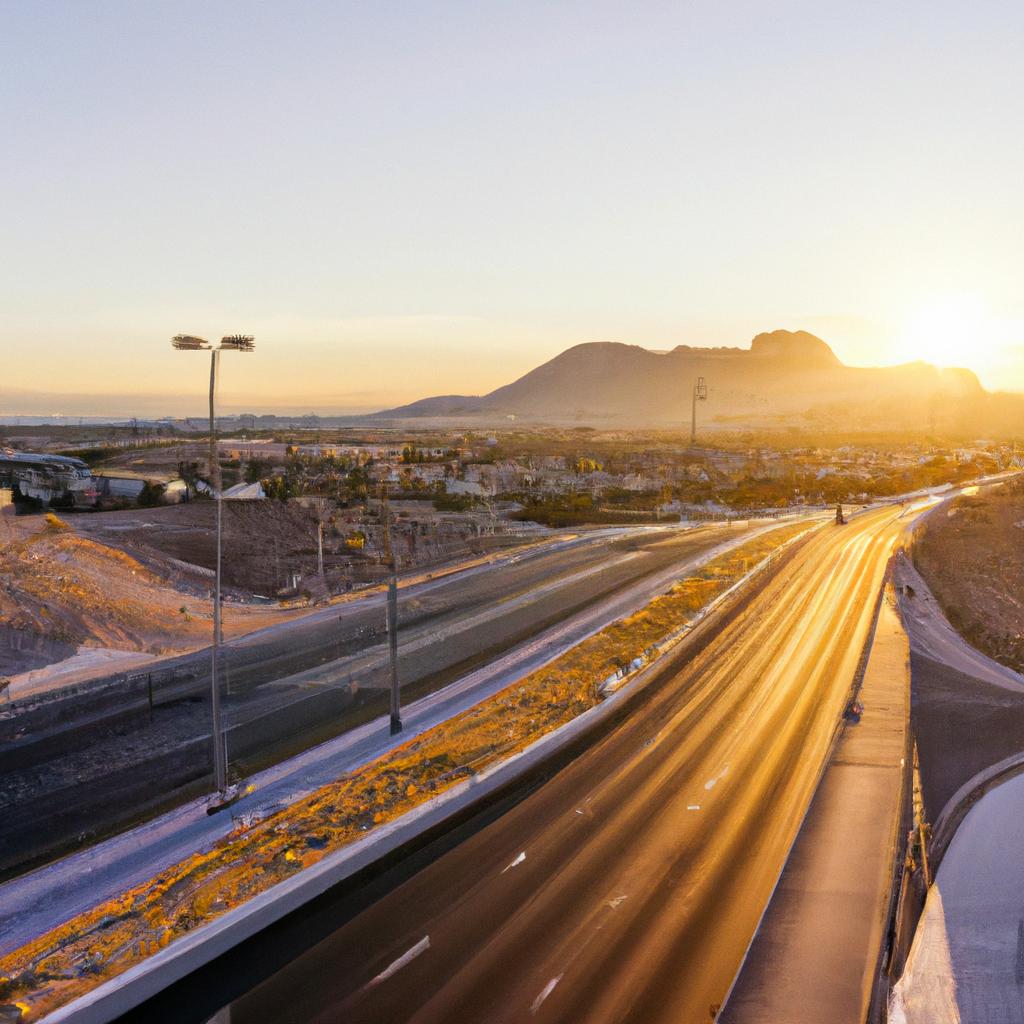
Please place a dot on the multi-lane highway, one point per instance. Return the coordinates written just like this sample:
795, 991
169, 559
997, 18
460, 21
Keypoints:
298, 683
629, 885
511, 616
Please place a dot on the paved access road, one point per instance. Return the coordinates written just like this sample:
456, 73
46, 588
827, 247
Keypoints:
628, 886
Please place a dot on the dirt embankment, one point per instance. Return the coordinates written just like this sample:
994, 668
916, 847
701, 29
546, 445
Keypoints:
263, 542
141, 580
972, 556
60, 590
271, 547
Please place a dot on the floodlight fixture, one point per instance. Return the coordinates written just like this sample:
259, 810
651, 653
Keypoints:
189, 343
238, 342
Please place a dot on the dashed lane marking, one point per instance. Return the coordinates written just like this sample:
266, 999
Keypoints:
544, 993
406, 958
519, 860
711, 783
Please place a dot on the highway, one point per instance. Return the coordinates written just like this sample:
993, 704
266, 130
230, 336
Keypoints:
298, 683
42, 899
629, 885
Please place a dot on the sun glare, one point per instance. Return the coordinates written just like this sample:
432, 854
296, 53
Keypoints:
952, 330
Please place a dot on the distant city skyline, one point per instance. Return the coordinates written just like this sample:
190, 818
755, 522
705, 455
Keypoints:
412, 200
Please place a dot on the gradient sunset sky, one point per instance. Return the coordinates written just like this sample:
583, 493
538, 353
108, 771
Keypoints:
404, 199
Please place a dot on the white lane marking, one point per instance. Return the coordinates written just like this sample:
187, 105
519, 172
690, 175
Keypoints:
544, 993
406, 958
519, 860
693, 807
710, 784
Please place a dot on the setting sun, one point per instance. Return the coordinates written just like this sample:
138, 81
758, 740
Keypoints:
949, 330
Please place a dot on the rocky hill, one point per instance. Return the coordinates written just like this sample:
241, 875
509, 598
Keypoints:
782, 375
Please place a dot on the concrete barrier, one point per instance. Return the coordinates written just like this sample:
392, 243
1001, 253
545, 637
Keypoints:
957, 806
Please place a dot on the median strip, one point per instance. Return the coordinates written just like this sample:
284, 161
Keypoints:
96, 946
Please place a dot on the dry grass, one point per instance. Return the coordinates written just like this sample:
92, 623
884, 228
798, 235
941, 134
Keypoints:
101, 943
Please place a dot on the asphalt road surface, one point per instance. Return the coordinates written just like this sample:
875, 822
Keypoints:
39, 900
627, 887
96, 765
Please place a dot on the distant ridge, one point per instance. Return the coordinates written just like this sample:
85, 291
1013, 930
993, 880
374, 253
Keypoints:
783, 376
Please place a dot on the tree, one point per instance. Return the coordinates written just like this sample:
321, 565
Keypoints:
189, 472
256, 470
151, 495
276, 487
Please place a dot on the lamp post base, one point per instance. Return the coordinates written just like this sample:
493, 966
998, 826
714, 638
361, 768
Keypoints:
222, 799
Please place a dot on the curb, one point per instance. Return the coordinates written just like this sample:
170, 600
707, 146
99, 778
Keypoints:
960, 803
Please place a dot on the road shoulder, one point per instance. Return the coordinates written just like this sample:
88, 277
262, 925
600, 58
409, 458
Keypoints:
816, 952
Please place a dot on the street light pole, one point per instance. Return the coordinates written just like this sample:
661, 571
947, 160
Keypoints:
237, 343
220, 754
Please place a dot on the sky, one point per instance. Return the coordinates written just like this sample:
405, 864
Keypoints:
401, 199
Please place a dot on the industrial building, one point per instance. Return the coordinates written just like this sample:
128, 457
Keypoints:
55, 480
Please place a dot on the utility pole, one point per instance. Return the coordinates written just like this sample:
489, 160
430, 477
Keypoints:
320, 536
700, 394
392, 611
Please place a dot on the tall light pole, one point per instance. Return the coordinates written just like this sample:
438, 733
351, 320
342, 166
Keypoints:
230, 343
700, 394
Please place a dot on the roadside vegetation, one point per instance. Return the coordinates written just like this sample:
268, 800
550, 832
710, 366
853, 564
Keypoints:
560, 511
103, 942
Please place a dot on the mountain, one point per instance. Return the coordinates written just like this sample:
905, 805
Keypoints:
784, 376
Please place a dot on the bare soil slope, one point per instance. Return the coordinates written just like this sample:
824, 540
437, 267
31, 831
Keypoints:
60, 590
972, 556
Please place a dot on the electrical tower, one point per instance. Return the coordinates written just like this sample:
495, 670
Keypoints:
700, 394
